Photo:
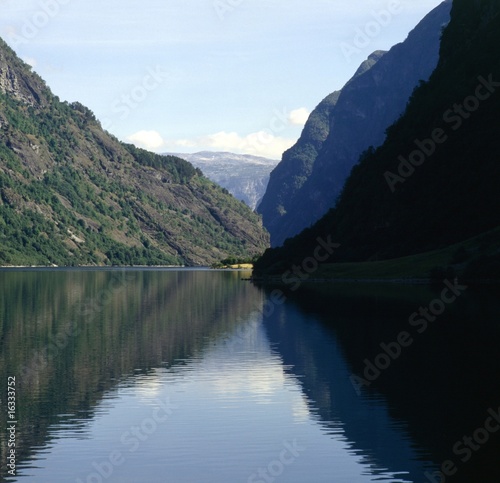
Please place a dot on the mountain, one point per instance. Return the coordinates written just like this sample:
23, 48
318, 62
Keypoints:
345, 124
435, 181
72, 194
243, 175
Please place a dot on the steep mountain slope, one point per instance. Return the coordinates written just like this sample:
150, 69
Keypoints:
244, 176
296, 166
311, 175
70, 193
435, 181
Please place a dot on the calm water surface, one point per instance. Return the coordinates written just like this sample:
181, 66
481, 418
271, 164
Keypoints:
196, 376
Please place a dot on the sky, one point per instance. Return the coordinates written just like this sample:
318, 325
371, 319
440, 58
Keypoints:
192, 75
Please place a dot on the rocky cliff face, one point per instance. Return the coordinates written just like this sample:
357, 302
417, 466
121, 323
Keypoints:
21, 84
311, 174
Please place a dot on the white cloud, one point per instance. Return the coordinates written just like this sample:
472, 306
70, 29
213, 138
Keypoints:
150, 140
30, 61
261, 143
299, 117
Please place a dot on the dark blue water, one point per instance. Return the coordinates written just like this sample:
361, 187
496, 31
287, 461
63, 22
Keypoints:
197, 376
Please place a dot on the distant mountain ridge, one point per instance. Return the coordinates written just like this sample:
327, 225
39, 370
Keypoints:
312, 173
243, 175
72, 194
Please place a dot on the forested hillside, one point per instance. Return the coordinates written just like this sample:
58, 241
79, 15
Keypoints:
72, 194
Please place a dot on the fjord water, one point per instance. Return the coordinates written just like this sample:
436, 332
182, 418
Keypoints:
197, 376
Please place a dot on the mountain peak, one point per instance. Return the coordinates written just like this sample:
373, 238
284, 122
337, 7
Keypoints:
366, 65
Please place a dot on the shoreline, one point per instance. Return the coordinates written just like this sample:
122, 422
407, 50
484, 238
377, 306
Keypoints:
93, 267
54, 268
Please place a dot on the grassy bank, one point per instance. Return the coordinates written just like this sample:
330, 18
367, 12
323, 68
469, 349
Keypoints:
477, 258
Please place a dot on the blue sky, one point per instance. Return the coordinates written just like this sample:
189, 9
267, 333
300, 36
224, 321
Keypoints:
192, 75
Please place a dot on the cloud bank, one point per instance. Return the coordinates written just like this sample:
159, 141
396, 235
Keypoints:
269, 142
150, 140
261, 143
